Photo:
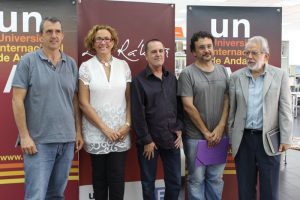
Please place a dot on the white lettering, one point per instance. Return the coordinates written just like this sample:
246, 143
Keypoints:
10, 79
160, 194
236, 24
13, 25
13, 22
132, 55
135, 54
224, 32
87, 53
26, 17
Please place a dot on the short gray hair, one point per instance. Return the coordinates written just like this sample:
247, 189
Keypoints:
261, 41
50, 19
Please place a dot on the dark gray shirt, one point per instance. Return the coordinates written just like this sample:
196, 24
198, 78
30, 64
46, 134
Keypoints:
50, 92
208, 90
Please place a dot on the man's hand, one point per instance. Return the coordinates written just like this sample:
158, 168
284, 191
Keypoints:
209, 136
284, 147
28, 146
217, 135
178, 139
79, 142
149, 150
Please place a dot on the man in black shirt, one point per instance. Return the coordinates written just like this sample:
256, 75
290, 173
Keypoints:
156, 122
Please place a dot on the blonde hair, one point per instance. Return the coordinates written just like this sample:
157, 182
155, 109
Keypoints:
89, 39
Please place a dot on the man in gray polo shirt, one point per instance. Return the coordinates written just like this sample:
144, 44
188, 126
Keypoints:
203, 87
46, 112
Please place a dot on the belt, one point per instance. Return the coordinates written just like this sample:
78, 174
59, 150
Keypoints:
252, 131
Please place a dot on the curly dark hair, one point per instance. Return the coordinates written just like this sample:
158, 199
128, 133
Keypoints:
197, 36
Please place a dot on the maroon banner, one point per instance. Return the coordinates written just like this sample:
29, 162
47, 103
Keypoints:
232, 26
135, 23
19, 27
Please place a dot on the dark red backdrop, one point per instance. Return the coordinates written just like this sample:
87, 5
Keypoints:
253, 21
136, 23
11, 163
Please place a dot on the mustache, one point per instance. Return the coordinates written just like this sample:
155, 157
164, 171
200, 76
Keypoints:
206, 53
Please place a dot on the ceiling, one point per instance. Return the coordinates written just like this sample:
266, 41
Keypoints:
290, 8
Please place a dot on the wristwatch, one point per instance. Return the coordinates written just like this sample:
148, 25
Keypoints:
127, 124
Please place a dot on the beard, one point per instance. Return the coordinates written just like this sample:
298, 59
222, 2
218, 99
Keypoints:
255, 66
207, 57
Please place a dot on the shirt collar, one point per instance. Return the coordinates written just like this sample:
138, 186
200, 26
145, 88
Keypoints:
149, 72
44, 57
249, 74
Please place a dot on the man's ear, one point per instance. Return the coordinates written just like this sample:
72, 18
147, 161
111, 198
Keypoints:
267, 56
41, 38
194, 53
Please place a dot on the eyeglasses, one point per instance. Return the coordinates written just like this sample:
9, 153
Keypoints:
253, 53
100, 39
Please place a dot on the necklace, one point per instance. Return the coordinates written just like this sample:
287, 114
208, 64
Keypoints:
105, 64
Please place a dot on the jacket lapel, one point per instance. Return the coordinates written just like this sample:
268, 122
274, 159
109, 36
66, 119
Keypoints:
268, 79
244, 80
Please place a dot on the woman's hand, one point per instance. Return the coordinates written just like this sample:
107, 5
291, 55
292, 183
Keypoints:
123, 132
111, 134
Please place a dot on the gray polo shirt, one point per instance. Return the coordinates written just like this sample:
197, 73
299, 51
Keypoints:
50, 91
208, 90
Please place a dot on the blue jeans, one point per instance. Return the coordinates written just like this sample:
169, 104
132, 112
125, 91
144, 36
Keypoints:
47, 171
172, 174
204, 182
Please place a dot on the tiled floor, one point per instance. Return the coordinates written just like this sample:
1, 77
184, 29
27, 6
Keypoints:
290, 177
290, 172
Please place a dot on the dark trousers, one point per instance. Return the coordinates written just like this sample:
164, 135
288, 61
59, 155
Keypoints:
252, 161
172, 172
108, 175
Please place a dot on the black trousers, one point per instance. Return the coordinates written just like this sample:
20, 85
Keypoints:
108, 175
252, 162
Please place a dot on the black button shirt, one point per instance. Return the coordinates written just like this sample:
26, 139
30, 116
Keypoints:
155, 109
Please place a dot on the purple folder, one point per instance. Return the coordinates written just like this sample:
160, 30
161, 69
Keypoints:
211, 156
